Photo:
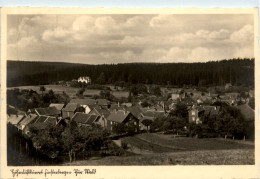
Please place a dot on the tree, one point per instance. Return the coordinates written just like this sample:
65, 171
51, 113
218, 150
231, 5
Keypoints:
101, 79
147, 123
80, 92
155, 90
144, 104
251, 102
42, 89
129, 98
119, 128
180, 111
178, 124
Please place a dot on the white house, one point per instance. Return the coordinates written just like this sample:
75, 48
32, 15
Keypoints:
83, 79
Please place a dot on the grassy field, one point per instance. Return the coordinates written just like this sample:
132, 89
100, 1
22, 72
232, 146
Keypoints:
72, 91
157, 149
207, 157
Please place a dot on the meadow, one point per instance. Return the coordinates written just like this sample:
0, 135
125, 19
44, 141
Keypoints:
158, 149
71, 91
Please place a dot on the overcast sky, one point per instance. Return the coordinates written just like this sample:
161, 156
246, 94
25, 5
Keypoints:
98, 39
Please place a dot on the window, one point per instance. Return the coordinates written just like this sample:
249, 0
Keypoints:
193, 113
193, 118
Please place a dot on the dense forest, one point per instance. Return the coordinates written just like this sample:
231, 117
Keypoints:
234, 71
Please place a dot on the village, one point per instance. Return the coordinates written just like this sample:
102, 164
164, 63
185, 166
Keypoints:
86, 111
181, 112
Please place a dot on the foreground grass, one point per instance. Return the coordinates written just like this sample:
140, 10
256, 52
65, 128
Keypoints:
207, 157
166, 143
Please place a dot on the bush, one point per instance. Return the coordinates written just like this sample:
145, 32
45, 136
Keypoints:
124, 145
113, 149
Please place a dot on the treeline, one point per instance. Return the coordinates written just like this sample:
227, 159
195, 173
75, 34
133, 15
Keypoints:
234, 71
27, 99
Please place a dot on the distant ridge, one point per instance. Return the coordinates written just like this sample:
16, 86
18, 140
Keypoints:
234, 71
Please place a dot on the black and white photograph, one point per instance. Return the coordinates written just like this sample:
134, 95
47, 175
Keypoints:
130, 89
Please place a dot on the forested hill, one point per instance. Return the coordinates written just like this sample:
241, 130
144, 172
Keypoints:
235, 71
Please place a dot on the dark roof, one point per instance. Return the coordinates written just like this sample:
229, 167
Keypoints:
49, 111
136, 111
86, 101
71, 107
15, 119
149, 114
91, 119
211, 110
116, 107
51, 120
118, 116
57, 106
84, 118
41, 119
187, 101
102, 111
102, 102
28, 119
247, 111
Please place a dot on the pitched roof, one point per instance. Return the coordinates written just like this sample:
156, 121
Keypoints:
247, 111
57, 106
51, 120
84, 118
28, 119
86, 101
118, 116
211, 110
136, 111
15, 119
49, 111
102, 111
102, 102
41, 119
71, 107
116, 107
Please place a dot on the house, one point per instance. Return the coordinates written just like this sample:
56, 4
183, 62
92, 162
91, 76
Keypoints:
247, 111
197, 111
175, 96
86, 79
121, 116
188, 101
211, 110
86, 103
103, 113
195, 114
135, 110
29, 119
83, 119
71, 109
115, 107
48, 111
14, 119
41, 122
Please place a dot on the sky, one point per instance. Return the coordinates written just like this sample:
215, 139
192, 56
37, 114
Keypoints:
99, 39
